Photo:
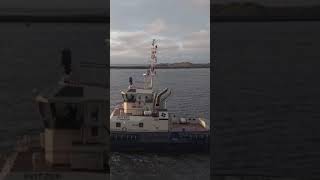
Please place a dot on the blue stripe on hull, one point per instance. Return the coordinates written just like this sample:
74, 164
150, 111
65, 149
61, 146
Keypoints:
160, 142
160, 148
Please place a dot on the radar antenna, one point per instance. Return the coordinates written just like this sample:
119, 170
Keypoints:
151, 72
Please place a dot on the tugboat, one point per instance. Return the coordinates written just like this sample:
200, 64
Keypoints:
74, 143
142, 121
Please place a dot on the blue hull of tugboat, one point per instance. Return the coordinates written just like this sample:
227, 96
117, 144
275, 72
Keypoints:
160, 142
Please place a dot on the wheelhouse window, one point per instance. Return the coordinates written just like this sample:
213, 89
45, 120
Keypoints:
141, 125
94, 115
94, 131
42, 109
130, 98
148, 99
118, 124
67, 115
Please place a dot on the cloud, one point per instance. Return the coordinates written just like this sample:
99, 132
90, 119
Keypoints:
197, 40
202, 3
157, 26
130, 38
181, 26
131, 3
135, 47
126, 43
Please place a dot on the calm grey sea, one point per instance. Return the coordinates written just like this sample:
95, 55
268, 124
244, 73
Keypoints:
190, 88
30, 58
268, 93
190, 97
266, 98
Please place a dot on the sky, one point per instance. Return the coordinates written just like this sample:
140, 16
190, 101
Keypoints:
182, 28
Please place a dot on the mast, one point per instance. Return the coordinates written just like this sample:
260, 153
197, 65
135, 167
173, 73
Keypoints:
151, 72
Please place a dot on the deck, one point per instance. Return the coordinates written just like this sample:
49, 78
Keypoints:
178, 127
28, 157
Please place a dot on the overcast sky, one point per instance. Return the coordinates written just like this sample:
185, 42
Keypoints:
182, 27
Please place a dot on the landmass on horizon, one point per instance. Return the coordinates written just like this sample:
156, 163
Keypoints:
179, 65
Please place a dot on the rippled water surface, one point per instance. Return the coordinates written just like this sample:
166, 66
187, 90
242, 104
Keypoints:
267, 98
30, 58
190, 97
190, 88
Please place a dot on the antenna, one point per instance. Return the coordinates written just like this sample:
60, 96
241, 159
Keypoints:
151, 72
153, 57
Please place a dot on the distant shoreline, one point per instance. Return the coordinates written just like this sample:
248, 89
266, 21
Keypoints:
145, 67
180, 65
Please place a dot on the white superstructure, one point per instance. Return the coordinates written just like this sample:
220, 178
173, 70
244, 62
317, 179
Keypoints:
144, 109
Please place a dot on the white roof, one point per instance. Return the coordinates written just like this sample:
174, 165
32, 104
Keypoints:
144, 91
